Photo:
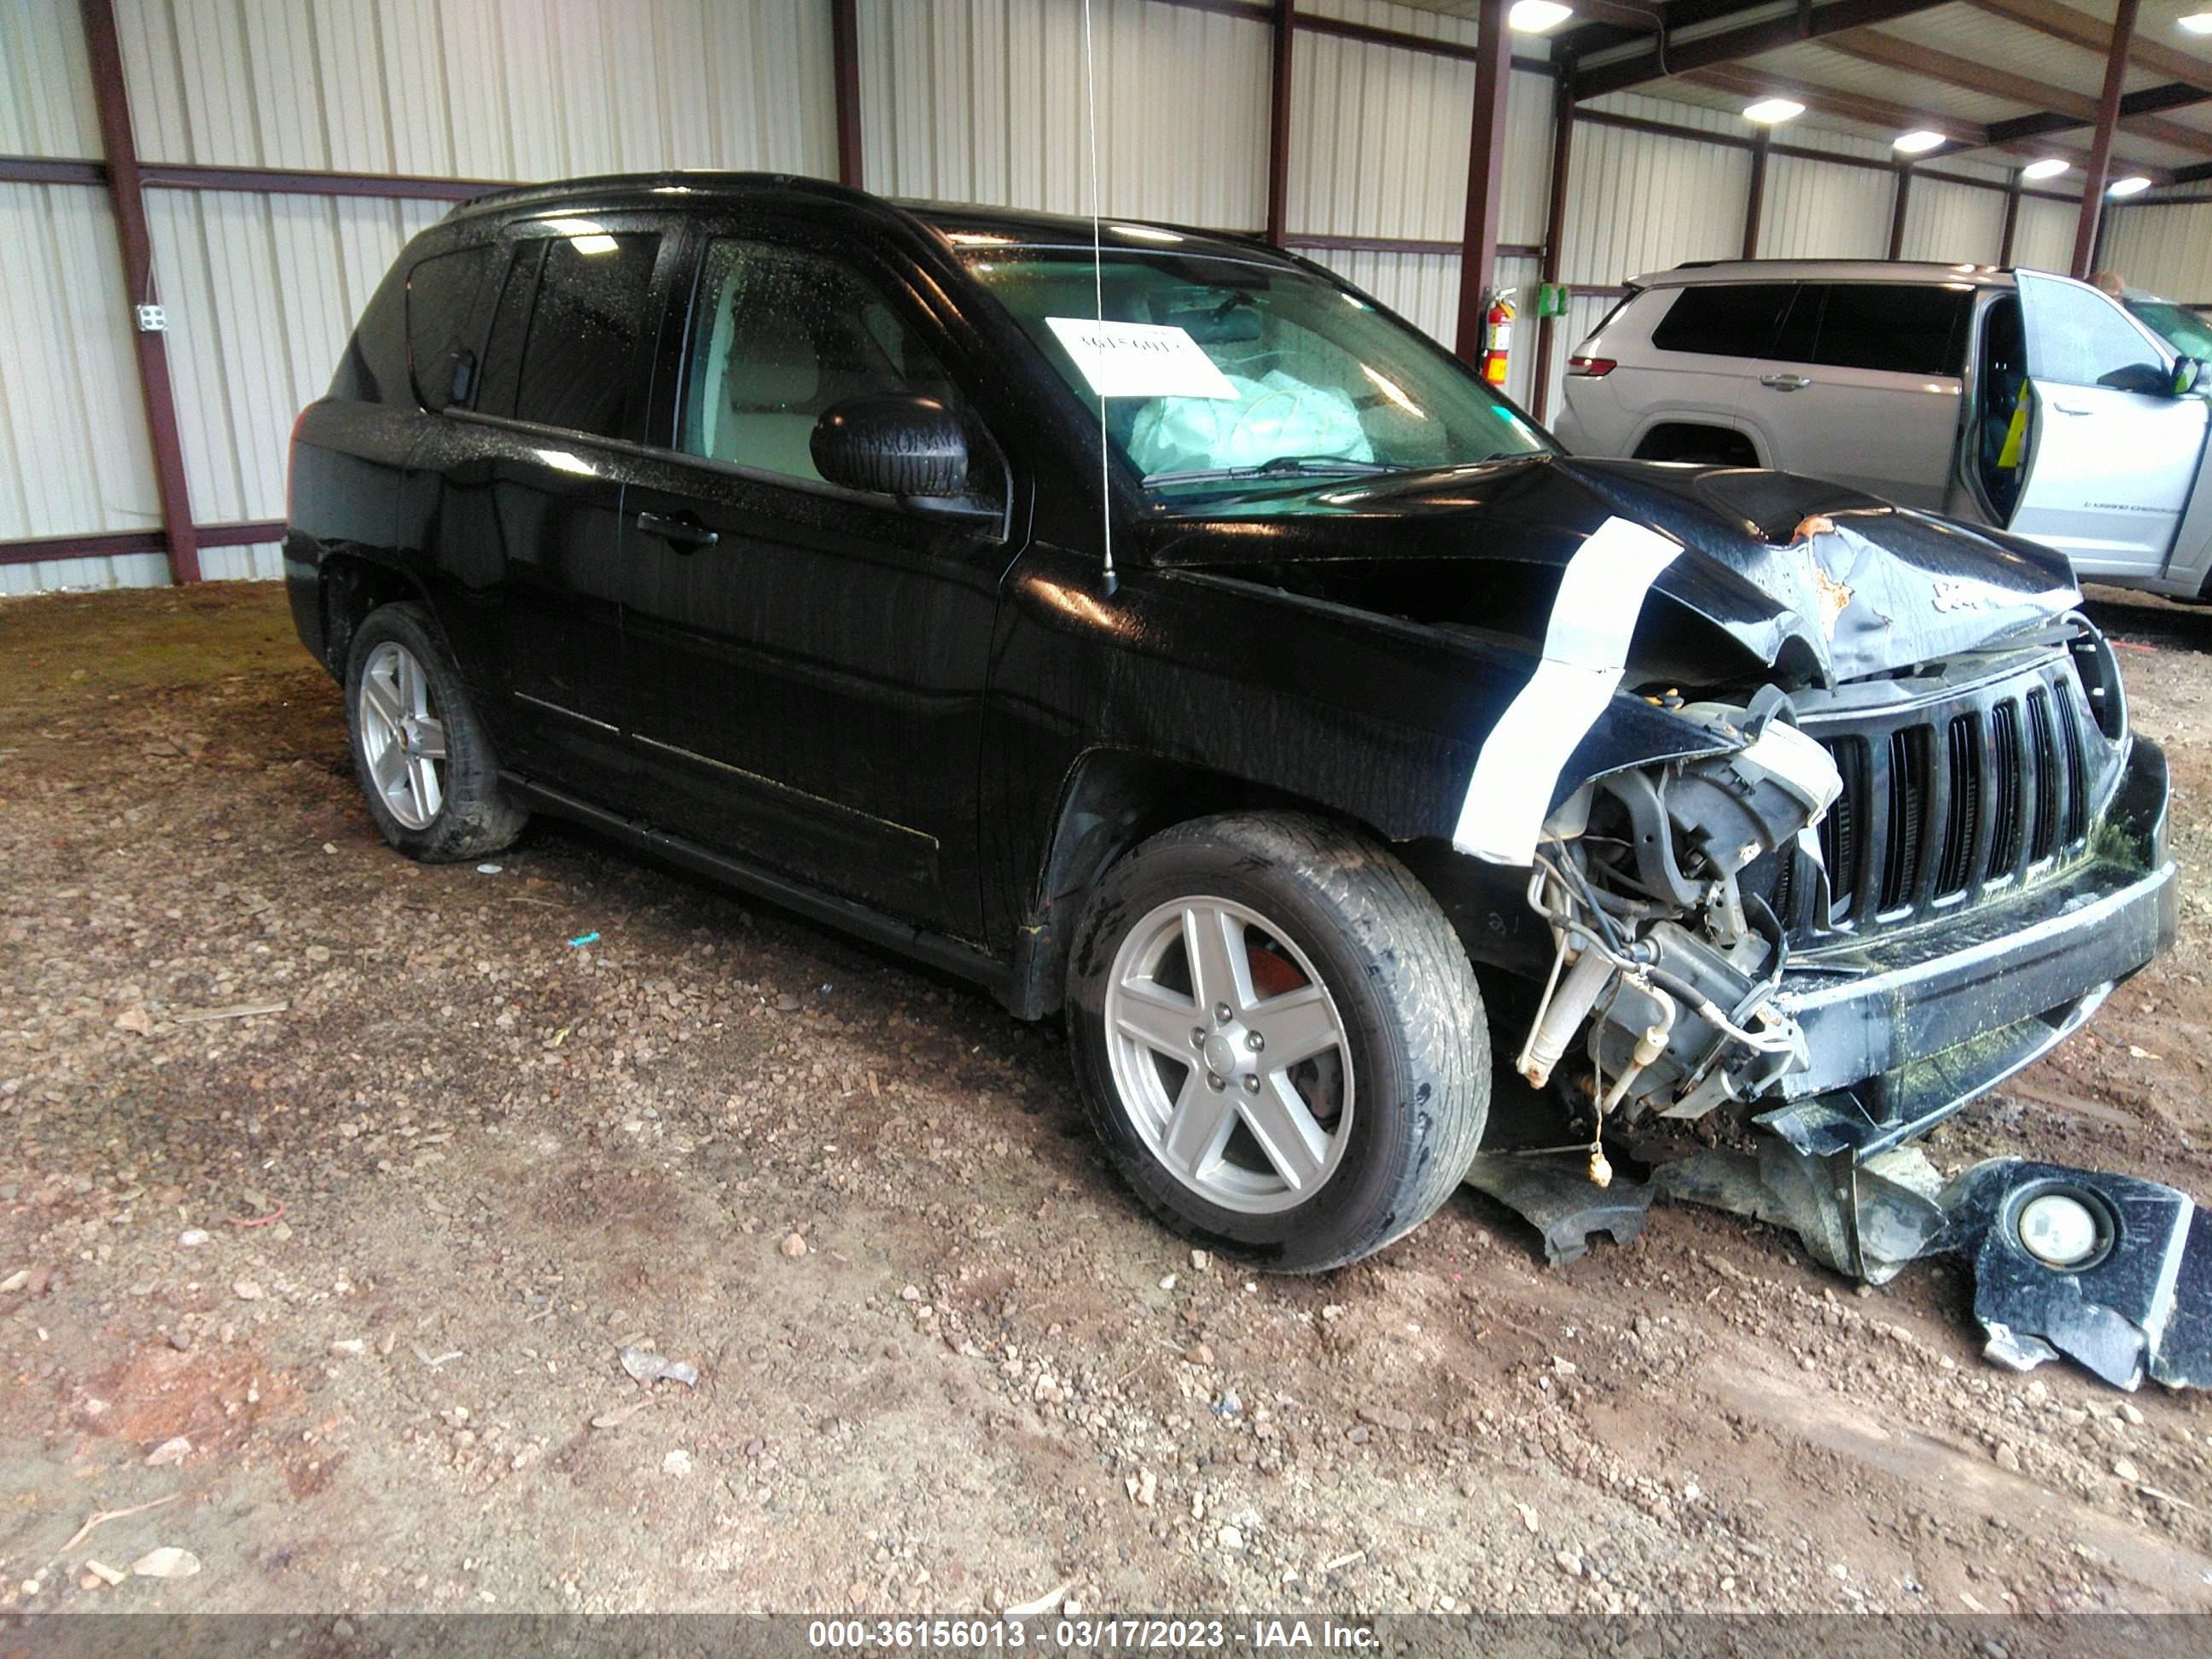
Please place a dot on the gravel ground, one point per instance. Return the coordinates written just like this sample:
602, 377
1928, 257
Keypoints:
333, 1190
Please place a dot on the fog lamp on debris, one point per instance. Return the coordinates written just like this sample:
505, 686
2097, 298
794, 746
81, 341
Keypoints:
2059, 1230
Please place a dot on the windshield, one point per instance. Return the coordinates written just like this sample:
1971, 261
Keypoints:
1244, 370
2188, 333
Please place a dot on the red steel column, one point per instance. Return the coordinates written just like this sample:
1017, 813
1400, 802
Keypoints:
1755, 202
845, 65
112, 101
1279, 126
2101, 147
1897, 211
2011, 221
1555, 220
1485, 176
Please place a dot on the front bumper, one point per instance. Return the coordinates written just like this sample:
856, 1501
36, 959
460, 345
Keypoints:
1905, 1031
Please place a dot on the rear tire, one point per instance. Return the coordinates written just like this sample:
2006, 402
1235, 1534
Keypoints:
1279, 1039
425, 764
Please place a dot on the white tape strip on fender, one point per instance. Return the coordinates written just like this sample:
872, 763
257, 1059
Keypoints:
1585, 654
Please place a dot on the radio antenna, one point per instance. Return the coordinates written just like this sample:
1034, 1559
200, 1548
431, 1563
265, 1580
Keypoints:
1099, 294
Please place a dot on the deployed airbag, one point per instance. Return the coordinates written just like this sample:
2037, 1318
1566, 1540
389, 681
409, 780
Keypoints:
1274, 415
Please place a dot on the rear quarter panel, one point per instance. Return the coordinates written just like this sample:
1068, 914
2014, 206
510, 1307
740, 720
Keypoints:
349, 461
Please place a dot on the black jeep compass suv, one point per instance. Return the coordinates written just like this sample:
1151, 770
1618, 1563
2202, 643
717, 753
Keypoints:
1171, 636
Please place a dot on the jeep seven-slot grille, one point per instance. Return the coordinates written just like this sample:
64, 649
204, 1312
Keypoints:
1946, 801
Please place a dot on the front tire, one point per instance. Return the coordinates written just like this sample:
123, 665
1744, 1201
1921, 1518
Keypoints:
1278, 1038
425, 764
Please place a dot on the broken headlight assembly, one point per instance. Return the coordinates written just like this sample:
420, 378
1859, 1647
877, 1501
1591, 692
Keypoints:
1673, 966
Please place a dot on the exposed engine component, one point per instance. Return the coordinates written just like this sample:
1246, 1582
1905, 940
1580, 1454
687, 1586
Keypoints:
1671, 965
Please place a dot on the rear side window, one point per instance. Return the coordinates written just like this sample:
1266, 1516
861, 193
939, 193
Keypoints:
1724, 320
576, 309
1894, 327
447, 296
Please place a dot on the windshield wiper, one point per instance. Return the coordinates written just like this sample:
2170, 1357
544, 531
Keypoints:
1282, 466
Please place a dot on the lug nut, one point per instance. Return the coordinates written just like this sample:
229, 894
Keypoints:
1198, 1036
1214, 1082
1251, 1083
1221, 1014
1254, 1041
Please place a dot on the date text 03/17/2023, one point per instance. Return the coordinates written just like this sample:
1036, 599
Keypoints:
1091, 1634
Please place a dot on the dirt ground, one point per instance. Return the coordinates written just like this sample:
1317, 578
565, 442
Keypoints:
333, 1293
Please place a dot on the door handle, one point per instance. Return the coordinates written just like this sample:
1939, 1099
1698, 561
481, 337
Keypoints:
2071, 409
1784, 382
684, 535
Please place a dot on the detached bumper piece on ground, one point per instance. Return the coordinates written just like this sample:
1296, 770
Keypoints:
2109, 1271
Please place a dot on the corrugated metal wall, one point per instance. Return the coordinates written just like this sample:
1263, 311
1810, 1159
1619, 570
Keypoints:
1824, 210
977, 99
1640, 202
1955, 223
45, 84
2044, 238
481, 88
2166, 249
986, 102
73, 449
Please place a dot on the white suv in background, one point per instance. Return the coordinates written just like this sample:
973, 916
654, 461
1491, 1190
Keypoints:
2014, 398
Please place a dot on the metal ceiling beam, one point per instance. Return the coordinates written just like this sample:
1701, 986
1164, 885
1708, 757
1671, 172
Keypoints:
1591, 36
1624, 14
2064, 23
1909, 56
2060, 109
1749, 80
2142, 126
1668, 56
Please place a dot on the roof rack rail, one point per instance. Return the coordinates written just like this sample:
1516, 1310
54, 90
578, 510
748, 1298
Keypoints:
560, 190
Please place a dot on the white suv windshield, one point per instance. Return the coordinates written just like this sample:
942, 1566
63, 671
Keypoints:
1311, 380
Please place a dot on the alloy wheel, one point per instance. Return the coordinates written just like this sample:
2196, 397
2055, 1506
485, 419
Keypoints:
402, 739
1229, 1054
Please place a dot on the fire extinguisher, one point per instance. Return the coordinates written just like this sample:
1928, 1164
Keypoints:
1498, 337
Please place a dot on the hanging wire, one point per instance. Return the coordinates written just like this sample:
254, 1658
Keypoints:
1098, 291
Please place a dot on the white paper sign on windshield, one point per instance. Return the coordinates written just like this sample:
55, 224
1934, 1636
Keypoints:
1140, 360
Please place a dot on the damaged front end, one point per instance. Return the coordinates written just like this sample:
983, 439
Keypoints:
1675, 966
1888, 897
1885, 899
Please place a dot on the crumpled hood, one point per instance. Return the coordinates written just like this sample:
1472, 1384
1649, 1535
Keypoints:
1807, 577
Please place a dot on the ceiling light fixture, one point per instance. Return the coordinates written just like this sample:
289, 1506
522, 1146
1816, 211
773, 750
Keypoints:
1534, 17
2134, 185
1919, 143
2049, 167
1769, 111
2197, 22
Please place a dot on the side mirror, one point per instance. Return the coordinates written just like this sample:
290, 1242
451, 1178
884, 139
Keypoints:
2147, 380
892, 444
2187, 376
